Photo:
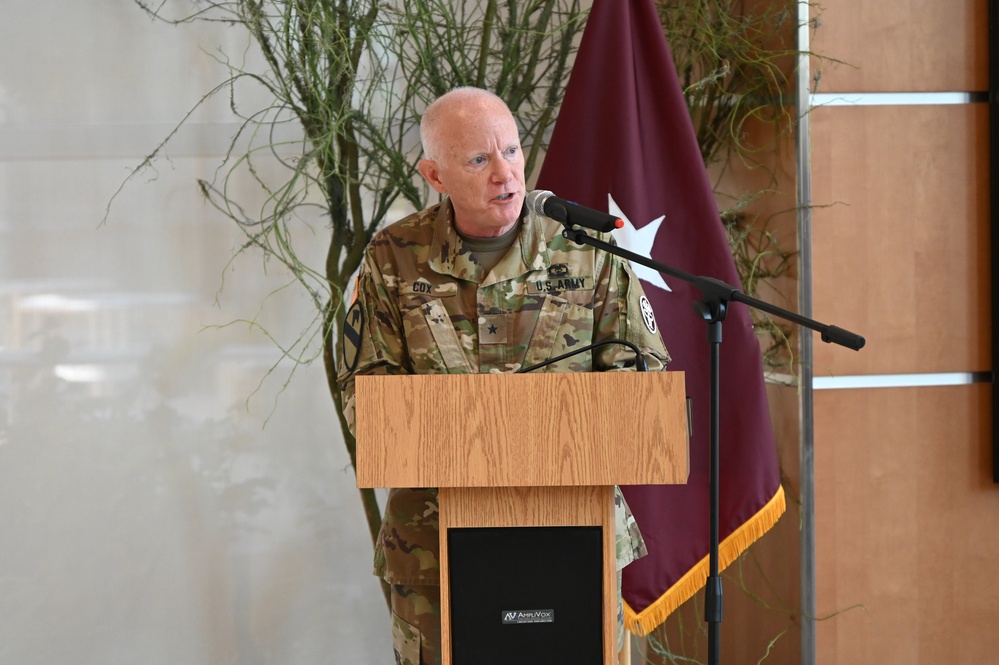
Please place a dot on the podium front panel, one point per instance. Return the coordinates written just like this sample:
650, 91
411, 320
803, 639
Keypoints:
526, 595
535, 549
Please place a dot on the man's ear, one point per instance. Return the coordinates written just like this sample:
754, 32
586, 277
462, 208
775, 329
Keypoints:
428, 168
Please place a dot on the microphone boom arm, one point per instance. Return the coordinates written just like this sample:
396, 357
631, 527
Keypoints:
718, 293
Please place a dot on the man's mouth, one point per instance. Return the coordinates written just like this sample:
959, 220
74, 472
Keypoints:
504, 197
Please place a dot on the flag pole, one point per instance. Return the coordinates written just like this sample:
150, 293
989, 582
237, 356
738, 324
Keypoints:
716, 295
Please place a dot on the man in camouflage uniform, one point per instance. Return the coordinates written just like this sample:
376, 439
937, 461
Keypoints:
479, 283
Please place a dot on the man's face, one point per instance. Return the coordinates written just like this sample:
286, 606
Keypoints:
481, 168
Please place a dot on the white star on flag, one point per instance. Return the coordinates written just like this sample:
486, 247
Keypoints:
639, 241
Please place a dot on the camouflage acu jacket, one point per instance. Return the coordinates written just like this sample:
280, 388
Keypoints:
423, 305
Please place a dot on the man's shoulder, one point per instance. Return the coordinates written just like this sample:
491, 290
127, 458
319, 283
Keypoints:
416, 227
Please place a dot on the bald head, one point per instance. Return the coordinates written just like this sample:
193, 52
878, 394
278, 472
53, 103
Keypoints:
472, 153
457, 106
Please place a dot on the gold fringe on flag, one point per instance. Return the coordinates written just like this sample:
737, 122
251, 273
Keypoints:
644, 622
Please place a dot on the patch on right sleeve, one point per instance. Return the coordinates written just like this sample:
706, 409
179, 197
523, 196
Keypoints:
353, 331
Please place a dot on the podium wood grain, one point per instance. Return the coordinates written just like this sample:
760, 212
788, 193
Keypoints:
508, 430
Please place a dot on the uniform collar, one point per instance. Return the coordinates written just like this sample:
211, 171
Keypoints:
450, 256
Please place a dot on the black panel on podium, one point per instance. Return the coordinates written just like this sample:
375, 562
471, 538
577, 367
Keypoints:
526, 595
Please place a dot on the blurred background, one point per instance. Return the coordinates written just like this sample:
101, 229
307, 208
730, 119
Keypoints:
171, 489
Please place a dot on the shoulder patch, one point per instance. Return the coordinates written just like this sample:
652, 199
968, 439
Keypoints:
353, 331
648, 315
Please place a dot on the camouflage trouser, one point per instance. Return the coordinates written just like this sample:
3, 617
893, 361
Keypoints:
416, 623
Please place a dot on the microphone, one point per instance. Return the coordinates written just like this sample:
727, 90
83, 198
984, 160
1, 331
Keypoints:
545, 203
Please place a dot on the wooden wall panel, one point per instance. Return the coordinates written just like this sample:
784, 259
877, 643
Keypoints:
907, 525
906, 46
901, 253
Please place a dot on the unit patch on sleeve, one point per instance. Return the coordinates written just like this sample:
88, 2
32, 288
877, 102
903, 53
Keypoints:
353, 331
648, 315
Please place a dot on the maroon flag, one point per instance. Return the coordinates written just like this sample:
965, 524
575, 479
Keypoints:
624, 140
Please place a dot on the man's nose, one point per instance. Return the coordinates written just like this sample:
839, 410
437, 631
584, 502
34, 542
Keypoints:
501, 170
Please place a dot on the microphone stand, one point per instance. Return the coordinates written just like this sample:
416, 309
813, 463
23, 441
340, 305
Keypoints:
712, 308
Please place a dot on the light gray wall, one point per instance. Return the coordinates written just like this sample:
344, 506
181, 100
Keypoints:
162, 498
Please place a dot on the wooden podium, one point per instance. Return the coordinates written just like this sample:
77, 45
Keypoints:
523, 450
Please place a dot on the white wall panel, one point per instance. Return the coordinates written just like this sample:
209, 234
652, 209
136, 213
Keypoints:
158, 506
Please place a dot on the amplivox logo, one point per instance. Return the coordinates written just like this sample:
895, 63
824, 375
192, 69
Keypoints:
528, 616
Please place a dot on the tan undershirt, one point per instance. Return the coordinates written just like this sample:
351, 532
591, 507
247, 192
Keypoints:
489, 251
